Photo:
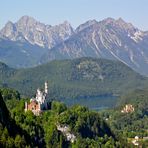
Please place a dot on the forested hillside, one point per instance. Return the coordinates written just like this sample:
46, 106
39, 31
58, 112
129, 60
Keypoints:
109, 128
133, 123
79, 78
20, 129
11, 134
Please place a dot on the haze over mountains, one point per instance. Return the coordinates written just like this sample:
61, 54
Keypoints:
28, 42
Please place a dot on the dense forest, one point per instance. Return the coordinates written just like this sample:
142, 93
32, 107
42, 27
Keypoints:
20, 129
71, 79
90, 128
83, 78
130, 124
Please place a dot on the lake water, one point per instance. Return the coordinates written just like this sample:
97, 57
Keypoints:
93, 103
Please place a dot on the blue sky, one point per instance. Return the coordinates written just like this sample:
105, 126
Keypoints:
75, 11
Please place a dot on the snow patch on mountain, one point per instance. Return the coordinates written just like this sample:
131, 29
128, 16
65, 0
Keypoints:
137, 36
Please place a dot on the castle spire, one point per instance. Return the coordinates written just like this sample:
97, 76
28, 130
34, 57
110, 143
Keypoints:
46, 87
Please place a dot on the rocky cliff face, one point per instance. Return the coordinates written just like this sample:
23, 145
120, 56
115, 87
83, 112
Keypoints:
110, 39
28, 29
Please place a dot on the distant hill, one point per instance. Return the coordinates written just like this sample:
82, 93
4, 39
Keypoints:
139, 98
78, 78
5, 71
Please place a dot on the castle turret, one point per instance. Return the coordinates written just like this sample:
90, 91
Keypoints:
39, 96
46, 87
26, 106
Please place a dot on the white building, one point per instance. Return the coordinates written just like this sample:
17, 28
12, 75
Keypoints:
39, 103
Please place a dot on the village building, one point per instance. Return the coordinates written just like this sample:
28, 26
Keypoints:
128, 109
136, 141
39, 102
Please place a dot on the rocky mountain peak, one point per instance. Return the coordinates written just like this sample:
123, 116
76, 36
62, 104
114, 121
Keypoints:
124, 24
120, 20
67, 27
9, 24
8, 30
27, 22
108, 20
66, 23
26, 19
34, 32
119, 26
109, 38
85, 25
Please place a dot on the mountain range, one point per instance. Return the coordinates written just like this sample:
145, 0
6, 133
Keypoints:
28, 42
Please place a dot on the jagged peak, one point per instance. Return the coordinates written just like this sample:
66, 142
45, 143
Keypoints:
26, 18
125, 24
86, 24
9, 23
8, 27
118, 23
65, 23
91, 21
120, 20
108, 20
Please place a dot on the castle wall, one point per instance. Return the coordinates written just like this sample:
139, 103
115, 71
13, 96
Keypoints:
33, 106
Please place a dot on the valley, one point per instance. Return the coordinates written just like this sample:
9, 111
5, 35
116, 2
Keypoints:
82, 84
96, 103
76, 80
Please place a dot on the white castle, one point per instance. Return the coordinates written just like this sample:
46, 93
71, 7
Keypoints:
41, 95
39, 103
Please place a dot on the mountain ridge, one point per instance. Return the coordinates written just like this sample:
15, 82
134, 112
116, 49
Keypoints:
35, 32
109, 39
83, 77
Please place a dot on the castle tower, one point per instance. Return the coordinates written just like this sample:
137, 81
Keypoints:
26, 106
39, 96
46, 87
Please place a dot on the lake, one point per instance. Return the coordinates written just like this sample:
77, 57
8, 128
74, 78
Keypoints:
93, 103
